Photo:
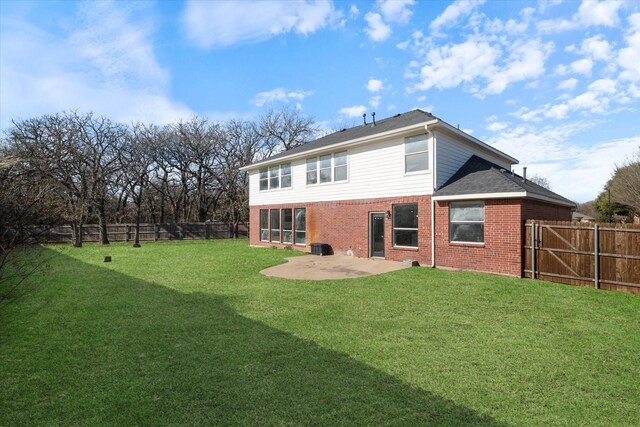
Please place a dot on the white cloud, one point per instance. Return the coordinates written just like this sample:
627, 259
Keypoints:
374, 102
223, 23
374, 85
582, 66
377, 30
396, 10
568, 84
497, 126
354, 11
597, 47
590, 13
581, 173
279, 94
525, 61
107, 65
354, 111
451, 65
453, 13
628, 57
605, 12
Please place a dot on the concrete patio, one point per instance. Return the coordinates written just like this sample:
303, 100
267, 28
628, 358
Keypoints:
311, 267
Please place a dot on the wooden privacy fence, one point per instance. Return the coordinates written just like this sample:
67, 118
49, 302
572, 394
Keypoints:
148, 232
605, 256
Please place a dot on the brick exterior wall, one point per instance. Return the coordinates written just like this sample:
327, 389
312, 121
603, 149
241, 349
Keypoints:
344, 225
532, 209
501, 251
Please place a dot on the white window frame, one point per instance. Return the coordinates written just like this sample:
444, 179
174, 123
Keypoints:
473, 203
394, 228
279, 169
416, 153
315, 161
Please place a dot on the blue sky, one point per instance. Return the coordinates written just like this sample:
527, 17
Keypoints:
555, 84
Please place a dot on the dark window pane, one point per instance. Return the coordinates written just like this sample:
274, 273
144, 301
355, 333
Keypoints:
416, 162
286, 219
301, 237
473, 233
286, 181
467, 211
285, 169
263, 173
406, 238
414, 144
340, 159
405, 216
264, 235
312, 164
286, 236
325, 161
264, 218
341, 173
264, 184
325, 175
301, 219
275, 225
312, 177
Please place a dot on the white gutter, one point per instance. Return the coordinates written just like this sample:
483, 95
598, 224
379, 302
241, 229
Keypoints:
512, 195
349, 143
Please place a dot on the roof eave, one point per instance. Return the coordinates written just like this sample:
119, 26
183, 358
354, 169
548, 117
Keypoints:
349, 143
510, 195
435, 124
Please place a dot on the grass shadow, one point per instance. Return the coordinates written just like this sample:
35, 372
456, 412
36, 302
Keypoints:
121, 351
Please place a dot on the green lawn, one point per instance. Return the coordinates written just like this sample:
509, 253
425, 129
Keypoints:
189, 333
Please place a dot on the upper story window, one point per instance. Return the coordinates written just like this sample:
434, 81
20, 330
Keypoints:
327, 168
466, 222
416, 153
278, 176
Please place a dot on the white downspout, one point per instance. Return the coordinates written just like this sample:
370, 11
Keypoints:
434, 182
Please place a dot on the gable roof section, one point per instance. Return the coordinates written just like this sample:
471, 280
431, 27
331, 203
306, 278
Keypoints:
479, 177
363, 132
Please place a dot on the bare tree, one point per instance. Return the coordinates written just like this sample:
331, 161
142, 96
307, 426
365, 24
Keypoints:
100, 141
541, 181
135, 161
286, 129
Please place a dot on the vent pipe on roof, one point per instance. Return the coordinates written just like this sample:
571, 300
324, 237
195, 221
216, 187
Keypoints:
364, 118
524, 174
373, 117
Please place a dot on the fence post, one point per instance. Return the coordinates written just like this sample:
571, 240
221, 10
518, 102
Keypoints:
126, 238
206, 230
596, 266
156, 232
533, 250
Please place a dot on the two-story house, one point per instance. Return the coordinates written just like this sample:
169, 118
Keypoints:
409, 187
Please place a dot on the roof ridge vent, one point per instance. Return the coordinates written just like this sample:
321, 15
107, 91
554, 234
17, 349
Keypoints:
364, 119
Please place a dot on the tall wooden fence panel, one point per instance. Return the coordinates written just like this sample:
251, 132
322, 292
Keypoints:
148, 232
604, 256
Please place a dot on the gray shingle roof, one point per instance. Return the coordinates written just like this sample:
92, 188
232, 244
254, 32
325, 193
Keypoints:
390, 123
480, 176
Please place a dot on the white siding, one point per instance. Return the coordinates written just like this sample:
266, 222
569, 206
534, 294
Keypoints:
451, 154
375, 170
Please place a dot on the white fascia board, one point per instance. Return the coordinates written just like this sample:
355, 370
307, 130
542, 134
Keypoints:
478, 196
512, 195
439, 123
349, 143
